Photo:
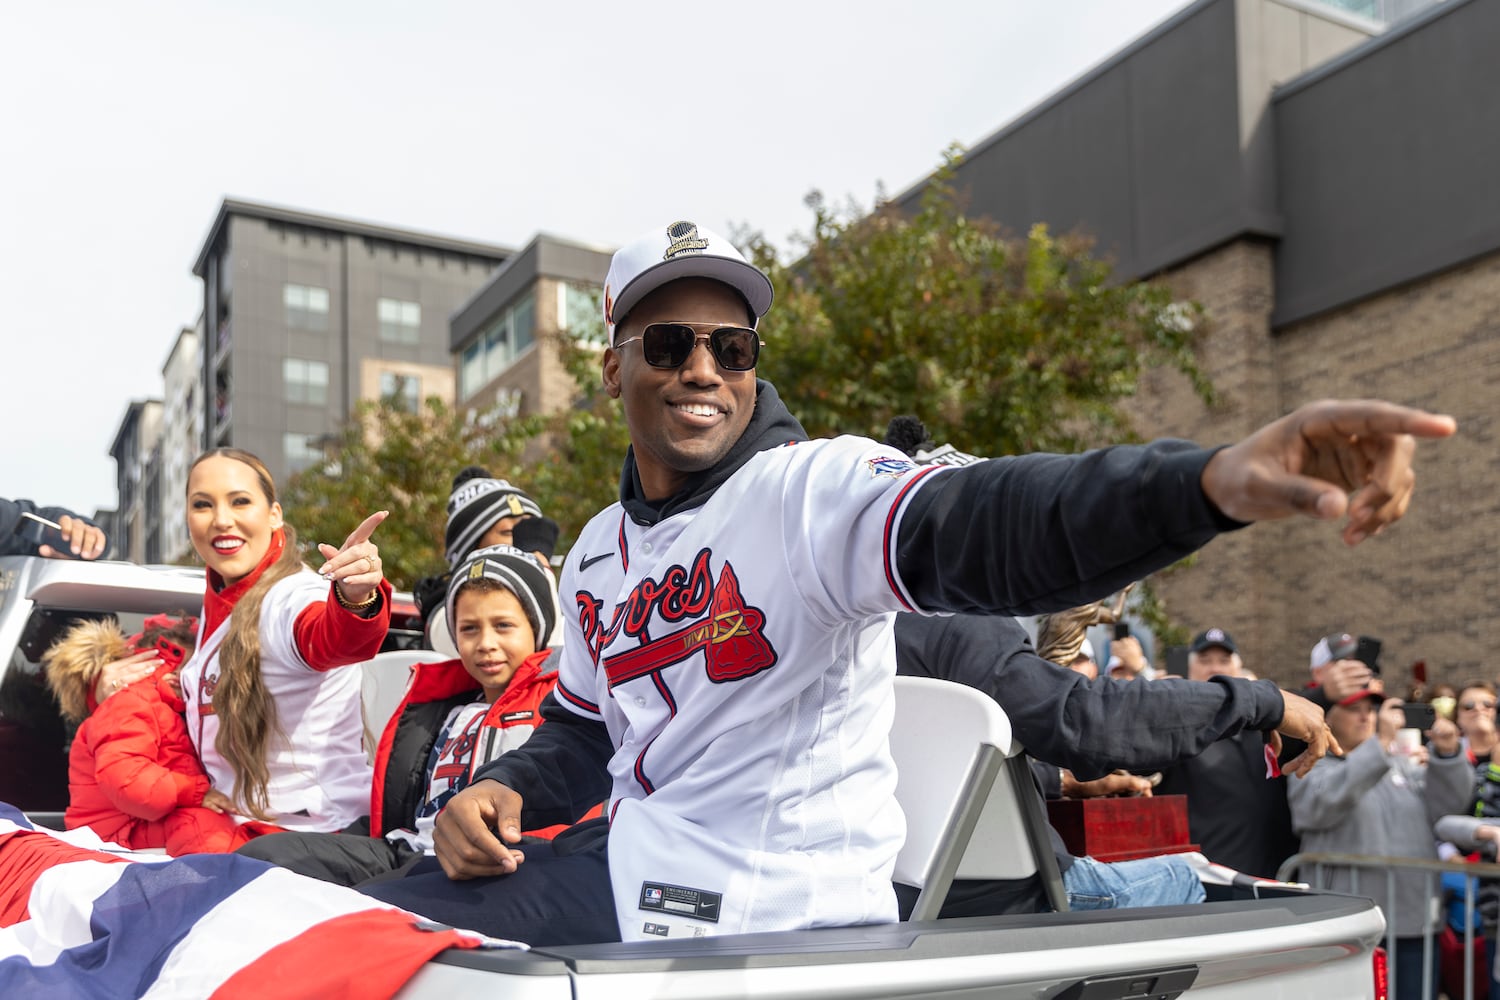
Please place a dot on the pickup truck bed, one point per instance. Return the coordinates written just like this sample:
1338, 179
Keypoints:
1293, 945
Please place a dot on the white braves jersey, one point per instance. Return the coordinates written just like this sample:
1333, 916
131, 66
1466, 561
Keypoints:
320, 777
741, 656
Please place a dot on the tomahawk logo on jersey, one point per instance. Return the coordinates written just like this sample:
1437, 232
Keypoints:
723, 627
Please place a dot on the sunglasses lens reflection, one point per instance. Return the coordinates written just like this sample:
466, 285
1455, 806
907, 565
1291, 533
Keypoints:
668, 345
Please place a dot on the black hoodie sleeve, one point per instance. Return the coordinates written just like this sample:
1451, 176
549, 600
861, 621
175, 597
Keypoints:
1039, 533
560, 772
1059, 716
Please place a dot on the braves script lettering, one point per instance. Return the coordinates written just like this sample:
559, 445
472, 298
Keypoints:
731, 636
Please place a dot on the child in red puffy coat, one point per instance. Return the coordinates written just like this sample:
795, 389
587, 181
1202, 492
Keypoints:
133, 777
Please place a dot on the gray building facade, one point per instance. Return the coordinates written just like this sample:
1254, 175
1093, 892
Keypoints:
502, 338
305, 315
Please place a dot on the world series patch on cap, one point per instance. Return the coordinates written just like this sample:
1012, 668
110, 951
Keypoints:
681, 249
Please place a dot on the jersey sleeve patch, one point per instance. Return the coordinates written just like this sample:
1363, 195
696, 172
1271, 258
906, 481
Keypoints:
889, 465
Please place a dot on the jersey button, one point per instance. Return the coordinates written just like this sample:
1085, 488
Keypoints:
640, 702
646, 548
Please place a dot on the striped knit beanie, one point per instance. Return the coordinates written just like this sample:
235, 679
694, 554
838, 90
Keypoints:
519, 573
476, 503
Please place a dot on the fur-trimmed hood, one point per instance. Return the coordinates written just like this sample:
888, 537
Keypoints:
73, 663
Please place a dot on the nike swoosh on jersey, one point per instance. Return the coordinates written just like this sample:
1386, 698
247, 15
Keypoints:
588, 561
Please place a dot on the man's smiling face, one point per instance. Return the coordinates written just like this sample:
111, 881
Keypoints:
686, 419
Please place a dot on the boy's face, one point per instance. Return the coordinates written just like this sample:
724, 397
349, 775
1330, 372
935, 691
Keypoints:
493, 637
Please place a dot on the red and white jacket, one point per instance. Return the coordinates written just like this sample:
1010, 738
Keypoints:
400, 784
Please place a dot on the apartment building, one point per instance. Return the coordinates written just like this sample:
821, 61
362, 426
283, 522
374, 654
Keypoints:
503, 337
305, 315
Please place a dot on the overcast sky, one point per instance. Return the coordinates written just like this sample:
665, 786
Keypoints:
123, 130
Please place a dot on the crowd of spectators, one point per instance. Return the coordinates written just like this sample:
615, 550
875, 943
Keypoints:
1414, 778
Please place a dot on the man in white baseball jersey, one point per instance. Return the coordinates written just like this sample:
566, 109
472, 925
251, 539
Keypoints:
726, 679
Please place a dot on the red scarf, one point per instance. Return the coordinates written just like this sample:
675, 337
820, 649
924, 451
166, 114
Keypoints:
219, 600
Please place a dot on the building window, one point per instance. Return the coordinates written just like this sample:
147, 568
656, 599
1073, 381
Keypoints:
400, 322
493, 350
300, 451
306, 381
306, 307
471, 370
523, 325
581, 310
403, 391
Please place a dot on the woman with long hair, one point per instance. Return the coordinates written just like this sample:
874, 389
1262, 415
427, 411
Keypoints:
279, 728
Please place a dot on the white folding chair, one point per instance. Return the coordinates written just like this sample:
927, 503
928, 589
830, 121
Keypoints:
382, 684
972, 811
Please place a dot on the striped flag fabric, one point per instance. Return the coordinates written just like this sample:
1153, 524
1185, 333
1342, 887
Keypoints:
79, 918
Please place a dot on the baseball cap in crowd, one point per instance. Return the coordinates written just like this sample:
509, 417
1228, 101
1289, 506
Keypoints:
519, 573
1363, 693
680, 250
476, 503
1339, 646
1214, 637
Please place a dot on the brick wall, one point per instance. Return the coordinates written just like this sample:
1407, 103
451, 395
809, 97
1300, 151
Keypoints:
1430, 587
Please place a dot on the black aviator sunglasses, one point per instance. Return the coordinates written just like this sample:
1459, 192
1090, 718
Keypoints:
668, 345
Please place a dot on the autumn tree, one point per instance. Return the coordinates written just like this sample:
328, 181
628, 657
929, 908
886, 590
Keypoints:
392, 458
584, 444
1000, 345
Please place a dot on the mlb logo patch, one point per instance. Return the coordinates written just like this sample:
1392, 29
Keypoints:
653, 894
892, 467
659, 930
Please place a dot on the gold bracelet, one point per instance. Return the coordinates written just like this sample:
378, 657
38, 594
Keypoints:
338, 595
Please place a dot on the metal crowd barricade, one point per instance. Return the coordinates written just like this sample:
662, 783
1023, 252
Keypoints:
1316, 864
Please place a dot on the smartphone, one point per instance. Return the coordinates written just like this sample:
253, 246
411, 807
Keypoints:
1419, 715
1177, 661
39, 531
1122, 630
1367, 651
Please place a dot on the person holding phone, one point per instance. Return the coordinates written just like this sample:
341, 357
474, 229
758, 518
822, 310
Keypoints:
1342, 665
1127, 660
1476, 831
50, 532
1369, 800
273, 719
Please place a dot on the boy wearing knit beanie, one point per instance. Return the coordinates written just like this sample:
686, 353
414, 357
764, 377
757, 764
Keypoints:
456, 716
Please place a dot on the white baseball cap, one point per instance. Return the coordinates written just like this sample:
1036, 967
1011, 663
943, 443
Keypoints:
680, 250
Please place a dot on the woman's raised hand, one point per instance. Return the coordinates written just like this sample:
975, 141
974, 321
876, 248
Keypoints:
354, 567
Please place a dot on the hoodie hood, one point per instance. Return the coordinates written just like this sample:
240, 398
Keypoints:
771, 426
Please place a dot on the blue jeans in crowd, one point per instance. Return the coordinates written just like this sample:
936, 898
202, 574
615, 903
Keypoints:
1160, 881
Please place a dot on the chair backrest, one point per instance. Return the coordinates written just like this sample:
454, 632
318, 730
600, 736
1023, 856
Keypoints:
383, 682
971, 808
